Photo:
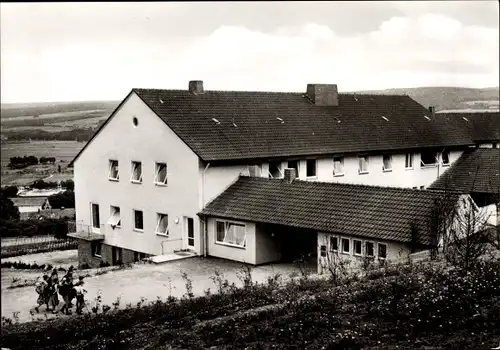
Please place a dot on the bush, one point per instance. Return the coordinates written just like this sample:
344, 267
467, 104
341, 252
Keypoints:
28, 228
9, 191
44, 160
22, 162
68, 185
64, 199
8, 211
42, 185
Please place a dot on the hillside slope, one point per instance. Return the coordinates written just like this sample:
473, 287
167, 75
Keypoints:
449, 98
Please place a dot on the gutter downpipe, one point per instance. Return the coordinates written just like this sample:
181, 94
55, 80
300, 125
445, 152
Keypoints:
205, 228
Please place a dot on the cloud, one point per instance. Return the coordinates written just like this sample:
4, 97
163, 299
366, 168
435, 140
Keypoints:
90, 54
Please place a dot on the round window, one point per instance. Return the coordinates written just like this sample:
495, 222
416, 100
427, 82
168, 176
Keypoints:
135, 121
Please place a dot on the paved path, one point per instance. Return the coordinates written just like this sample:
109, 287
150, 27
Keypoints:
142, 280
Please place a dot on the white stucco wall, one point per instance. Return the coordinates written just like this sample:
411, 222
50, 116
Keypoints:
395, 250
26, 209
245, 255
150, 141
218, 178
398, 177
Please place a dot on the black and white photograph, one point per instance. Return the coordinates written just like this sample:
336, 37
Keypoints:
250, 175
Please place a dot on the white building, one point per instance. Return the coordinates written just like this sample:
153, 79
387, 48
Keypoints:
162, 155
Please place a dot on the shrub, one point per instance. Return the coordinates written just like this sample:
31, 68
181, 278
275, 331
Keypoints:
64, 199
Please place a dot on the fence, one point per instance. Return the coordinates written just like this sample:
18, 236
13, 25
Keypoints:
39, 244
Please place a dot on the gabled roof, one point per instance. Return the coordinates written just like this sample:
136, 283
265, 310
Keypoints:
230, 125
367, 211
477, 170
28, 201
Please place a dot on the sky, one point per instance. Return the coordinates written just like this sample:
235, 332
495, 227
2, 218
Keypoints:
100, 51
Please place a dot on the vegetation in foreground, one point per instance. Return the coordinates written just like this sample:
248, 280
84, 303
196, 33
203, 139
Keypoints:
409, 306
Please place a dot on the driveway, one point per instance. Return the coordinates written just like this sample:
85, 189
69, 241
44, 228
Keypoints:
141, 281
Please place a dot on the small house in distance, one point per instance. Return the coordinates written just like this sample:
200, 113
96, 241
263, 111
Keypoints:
31, 204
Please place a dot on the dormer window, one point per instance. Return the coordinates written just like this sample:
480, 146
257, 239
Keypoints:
363, 165
338, 166
387, 162
445, 157
428, 158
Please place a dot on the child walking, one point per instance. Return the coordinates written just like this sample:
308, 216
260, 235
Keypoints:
80, 298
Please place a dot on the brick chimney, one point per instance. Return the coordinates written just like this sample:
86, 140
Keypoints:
289, 175
196, 87
432, 110
323, 94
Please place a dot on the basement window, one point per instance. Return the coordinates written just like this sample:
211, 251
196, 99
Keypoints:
275, 170
230, 233
138, 220
428, 158
113, 170
311, 166
115, 219
445, 157
369, 249
387, 162
162, 224
346, 246
357, 247
160, 173
382, 251
334, 243
338, 166
363, 165
136, 172
96, 248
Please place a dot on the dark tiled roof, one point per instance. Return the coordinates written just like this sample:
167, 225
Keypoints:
367, 211
477, 170
356, 125
481, 127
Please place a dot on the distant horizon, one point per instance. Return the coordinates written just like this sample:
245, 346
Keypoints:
340, 91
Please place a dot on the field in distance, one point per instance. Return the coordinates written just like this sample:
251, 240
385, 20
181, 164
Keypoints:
61, 150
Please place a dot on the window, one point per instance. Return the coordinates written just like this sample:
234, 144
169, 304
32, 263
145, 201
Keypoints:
231, 233
346, 245
96, 222
387, 160
323, 250
382, 251
96, 248
294, 164
334, 244
445, 157
363, 165
369, 249
428, 158
136, 172
115, 218
311, 167
161, 173
338, 166
138, 220
275, 169
409, 161
113, 170
162, 224
357, 247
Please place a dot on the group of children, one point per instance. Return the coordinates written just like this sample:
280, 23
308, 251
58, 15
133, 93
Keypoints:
49, 286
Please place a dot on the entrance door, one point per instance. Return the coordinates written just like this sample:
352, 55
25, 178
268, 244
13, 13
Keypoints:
190, 232
96, 223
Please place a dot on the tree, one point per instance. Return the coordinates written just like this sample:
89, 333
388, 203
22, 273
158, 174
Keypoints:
64, 199
68, 185
10, 191
8, 211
